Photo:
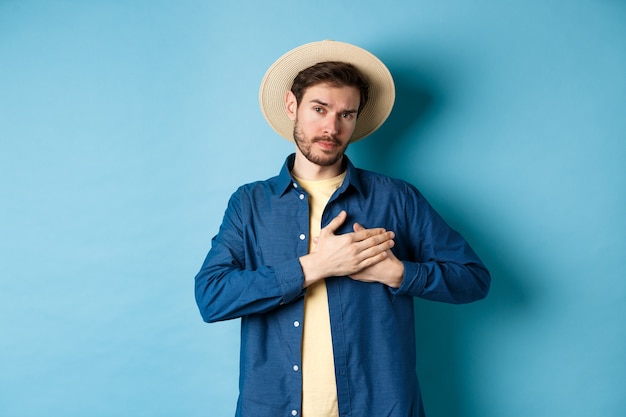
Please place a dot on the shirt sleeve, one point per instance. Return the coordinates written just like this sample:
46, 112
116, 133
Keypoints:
440, 265
228, 287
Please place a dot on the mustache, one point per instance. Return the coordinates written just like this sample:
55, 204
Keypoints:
332, 139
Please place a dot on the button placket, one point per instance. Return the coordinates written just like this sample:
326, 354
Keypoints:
302, 197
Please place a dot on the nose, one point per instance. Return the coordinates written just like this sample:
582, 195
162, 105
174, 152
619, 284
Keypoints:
331, 126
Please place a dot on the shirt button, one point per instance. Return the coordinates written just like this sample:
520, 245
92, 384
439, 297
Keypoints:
295, 185
295, 368
302, 236
294, 412
296, 323
301, 196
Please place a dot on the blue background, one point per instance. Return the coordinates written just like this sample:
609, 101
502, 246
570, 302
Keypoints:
126, 125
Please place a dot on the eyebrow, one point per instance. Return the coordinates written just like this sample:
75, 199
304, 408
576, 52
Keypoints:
320, 102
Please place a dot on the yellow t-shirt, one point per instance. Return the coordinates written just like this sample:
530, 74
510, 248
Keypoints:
319, 388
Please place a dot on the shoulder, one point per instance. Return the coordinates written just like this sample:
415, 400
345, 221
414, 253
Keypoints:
393, 191
259, 193
377, 182
269, 185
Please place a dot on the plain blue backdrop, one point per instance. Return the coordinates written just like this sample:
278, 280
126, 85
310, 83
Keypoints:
126, 125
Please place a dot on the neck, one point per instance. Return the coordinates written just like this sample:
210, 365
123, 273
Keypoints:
307, 170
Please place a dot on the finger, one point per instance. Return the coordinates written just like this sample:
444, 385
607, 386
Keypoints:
374, 259
361, 233
376, 244
365, 234
336, 222
371, 237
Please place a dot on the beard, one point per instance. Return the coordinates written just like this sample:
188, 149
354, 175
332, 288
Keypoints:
323, 158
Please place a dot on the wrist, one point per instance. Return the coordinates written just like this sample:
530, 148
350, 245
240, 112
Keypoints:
310, 270
396, 275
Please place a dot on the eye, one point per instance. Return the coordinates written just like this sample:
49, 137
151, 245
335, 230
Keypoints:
318, 109
346, 115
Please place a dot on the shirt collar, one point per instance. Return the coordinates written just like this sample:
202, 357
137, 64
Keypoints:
285, 181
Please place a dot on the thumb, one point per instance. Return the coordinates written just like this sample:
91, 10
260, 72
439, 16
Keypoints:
336, 222
357, 227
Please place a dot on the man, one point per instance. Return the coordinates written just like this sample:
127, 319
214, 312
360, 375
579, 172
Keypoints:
322, 262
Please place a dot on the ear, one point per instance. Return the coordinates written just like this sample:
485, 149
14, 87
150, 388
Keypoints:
291, 105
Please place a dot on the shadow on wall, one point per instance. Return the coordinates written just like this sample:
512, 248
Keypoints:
444, 356
412, 102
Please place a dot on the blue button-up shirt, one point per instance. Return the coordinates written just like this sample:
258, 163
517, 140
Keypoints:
252, 272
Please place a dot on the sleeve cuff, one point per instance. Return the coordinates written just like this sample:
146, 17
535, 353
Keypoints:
290, 277
414, 280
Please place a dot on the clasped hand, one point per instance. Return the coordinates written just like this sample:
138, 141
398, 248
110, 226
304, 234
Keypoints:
363, 255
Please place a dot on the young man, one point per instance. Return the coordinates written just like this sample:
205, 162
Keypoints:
322, 262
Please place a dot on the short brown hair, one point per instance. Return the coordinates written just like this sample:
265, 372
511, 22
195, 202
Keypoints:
336, 74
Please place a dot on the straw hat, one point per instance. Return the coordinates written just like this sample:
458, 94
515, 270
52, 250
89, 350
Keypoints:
279, 78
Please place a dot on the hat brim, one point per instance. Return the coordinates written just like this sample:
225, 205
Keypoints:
279, 78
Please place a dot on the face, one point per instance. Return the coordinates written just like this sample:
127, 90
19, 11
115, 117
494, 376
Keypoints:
324, 122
